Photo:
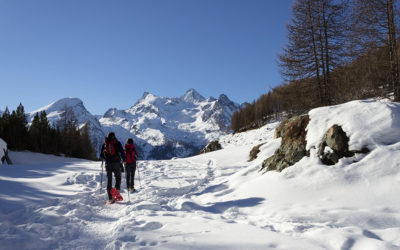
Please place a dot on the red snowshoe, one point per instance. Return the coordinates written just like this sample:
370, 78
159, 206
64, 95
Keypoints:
116, 195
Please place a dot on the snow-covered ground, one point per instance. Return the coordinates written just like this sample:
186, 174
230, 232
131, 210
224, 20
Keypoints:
217, 200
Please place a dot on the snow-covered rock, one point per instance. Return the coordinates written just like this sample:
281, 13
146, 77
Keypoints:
3, 148
367, 123
356, 127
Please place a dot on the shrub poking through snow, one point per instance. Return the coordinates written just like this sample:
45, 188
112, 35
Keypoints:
293, 146
254, 151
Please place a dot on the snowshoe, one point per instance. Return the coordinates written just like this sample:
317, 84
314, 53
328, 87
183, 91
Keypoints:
116, 195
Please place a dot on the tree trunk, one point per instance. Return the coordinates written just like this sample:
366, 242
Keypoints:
321, 45
316, 62
393, 59
328, 78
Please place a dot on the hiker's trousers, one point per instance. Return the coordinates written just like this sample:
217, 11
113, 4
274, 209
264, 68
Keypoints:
130, 174
113, 167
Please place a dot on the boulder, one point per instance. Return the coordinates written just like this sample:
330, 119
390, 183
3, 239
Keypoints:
293, 146
4, 153
212, 146
335, 145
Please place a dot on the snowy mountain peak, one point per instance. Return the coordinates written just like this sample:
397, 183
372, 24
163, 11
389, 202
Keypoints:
147, 95
60, 105
111, 112
72, 109
193, 96
224, 99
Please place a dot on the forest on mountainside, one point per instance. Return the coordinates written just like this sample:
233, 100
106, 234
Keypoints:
64, 139
337, 51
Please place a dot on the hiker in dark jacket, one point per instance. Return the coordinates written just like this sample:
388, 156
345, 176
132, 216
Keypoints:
131, 157
113, 153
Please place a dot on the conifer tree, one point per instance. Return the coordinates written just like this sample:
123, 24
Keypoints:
14, 128
374, 27
5, 121
34, 133
315, 40
20, 125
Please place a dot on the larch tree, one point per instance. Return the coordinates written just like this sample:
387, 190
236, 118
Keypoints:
374, 27
316, 36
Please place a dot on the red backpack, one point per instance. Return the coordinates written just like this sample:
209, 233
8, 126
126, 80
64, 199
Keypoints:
110, 148
130, 153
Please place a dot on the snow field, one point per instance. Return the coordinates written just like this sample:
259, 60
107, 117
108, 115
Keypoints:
217, 200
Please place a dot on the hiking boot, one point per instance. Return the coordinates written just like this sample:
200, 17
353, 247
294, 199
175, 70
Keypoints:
111, 201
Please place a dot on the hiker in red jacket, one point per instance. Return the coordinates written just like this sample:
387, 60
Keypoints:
131, 157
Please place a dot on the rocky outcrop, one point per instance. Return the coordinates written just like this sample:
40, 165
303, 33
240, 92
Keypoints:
212, 146
293, 146
335, 145
254, 151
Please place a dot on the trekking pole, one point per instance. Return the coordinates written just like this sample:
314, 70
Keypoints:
101, 185
139, 174
126, 179
137, 166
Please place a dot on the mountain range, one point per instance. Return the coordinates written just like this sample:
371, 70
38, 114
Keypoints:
161, 127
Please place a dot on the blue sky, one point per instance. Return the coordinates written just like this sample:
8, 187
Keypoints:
108, 53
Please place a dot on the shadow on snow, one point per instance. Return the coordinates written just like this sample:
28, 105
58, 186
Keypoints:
220, 207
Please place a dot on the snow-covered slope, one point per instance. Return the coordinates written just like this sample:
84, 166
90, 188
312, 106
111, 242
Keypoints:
161, 127
72, 109
217, 200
